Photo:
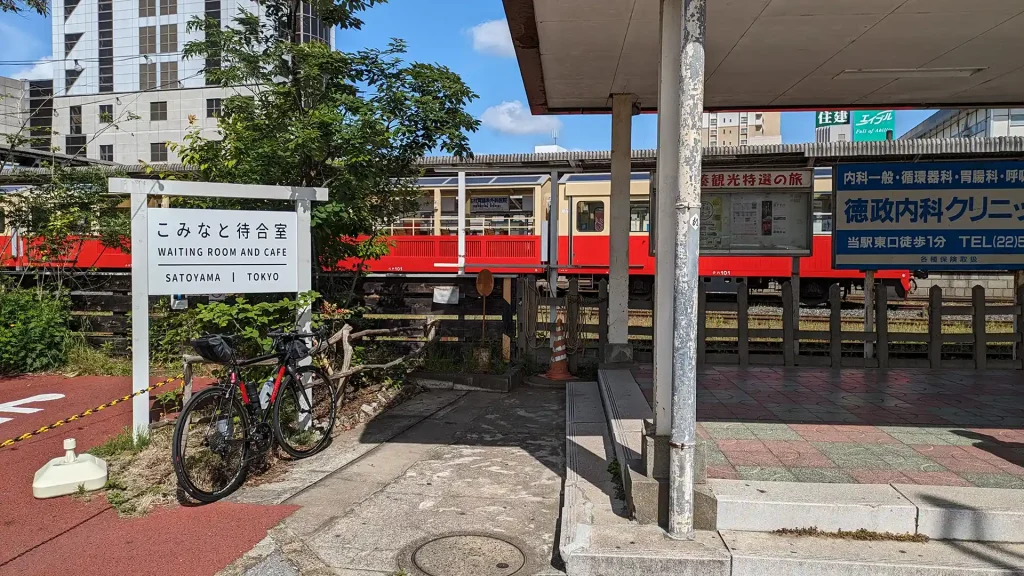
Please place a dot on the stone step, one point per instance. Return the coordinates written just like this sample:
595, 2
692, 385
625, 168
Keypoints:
767, 506
589, 491
955, 513
764, 554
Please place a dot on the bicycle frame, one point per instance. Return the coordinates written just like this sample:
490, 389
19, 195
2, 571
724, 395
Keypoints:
255, 409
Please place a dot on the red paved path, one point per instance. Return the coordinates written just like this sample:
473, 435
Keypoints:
67, 535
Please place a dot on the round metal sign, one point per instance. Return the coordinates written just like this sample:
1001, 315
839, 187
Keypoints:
485, 282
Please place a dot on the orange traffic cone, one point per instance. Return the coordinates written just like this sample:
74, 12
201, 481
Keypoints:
559, 369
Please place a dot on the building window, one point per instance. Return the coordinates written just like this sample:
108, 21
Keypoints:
169, 38
74, 145
158, 152
157, 111
147, 40
213, 19
76, 119
69, 42
147, 76
168, 7
841, 137
147, 8
107, 152
105, 27
69, 8
590, 216
639, 216
1017, 119
168, 75
213, 107
70, 77
106, 113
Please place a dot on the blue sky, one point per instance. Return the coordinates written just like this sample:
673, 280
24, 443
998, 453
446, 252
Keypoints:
454, 33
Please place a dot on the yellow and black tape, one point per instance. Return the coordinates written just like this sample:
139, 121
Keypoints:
80, 415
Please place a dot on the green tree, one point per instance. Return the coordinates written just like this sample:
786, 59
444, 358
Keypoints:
306, 115
17, 6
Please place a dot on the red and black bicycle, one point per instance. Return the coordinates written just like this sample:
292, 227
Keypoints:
224, 427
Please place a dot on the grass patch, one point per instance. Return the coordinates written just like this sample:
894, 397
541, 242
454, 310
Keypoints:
85, 360
139, 472
615, 469
859, 534
122, 444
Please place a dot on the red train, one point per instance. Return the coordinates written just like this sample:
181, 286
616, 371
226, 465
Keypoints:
504, 227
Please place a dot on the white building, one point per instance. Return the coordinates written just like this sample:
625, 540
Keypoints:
117, 59
969, 123
26, 111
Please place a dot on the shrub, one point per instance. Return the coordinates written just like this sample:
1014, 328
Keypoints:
33, 330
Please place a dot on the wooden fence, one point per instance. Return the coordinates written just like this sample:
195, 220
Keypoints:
937, 347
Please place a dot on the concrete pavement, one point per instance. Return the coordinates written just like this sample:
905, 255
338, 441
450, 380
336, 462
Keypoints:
472, 488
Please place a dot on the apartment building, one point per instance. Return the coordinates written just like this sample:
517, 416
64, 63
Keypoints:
26, 111
741, 128
122, 89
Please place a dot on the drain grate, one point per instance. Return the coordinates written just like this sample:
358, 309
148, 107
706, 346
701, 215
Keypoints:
469, 555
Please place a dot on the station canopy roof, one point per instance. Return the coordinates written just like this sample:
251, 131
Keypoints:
777, 54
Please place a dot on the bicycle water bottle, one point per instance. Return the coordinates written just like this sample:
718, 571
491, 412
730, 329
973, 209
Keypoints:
265, 392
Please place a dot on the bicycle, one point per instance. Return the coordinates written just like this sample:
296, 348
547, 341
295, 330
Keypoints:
233, 427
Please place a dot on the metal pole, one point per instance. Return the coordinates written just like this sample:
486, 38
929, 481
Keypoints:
553, 252
869, 310
795, 282
140, 311
462, 222
683, 441
665, 223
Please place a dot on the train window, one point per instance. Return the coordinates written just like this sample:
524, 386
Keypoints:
590, 216
639, 216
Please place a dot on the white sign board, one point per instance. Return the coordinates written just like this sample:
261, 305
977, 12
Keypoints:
488, 204
222, 251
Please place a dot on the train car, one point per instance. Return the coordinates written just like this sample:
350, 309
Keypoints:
584, 242
506, 217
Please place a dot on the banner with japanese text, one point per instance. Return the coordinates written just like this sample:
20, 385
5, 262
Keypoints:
929, 216
222, 251
756, 212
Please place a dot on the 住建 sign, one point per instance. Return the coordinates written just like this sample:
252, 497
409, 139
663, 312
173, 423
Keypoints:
873, 125
222, 251
929, 216
756, 212
831, 118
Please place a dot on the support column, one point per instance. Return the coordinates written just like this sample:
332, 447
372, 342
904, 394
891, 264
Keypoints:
665, 222
462, 223
794, 281
683, 441
553, 252
437, 211
140, 312
619, 349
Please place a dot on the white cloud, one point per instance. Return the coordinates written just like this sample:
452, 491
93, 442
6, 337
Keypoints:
514, 118
41, 70
492, 37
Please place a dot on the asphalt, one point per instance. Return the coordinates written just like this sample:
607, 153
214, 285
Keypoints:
71, 535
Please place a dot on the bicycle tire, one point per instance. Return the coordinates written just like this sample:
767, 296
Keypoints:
178, 457
292, 387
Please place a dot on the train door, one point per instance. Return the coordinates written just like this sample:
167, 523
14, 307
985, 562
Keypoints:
588, 237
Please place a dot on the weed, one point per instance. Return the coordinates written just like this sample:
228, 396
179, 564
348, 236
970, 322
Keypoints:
83, 359
170, 401
615, 469
859, 534
123, 443
399, 572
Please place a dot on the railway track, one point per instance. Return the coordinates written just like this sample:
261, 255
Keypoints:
857, 322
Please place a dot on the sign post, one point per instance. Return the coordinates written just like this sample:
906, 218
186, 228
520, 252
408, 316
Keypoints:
936, 216
179, 251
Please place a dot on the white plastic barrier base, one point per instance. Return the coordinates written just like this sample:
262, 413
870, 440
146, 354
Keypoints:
62, 476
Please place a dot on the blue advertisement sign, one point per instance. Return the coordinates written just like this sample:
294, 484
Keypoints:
929, 216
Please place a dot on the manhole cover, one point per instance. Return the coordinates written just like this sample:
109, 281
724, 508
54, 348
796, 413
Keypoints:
467, 555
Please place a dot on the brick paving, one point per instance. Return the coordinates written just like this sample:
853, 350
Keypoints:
936, 427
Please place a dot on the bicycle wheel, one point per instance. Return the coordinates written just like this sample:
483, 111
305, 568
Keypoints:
304, 412
211, 448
